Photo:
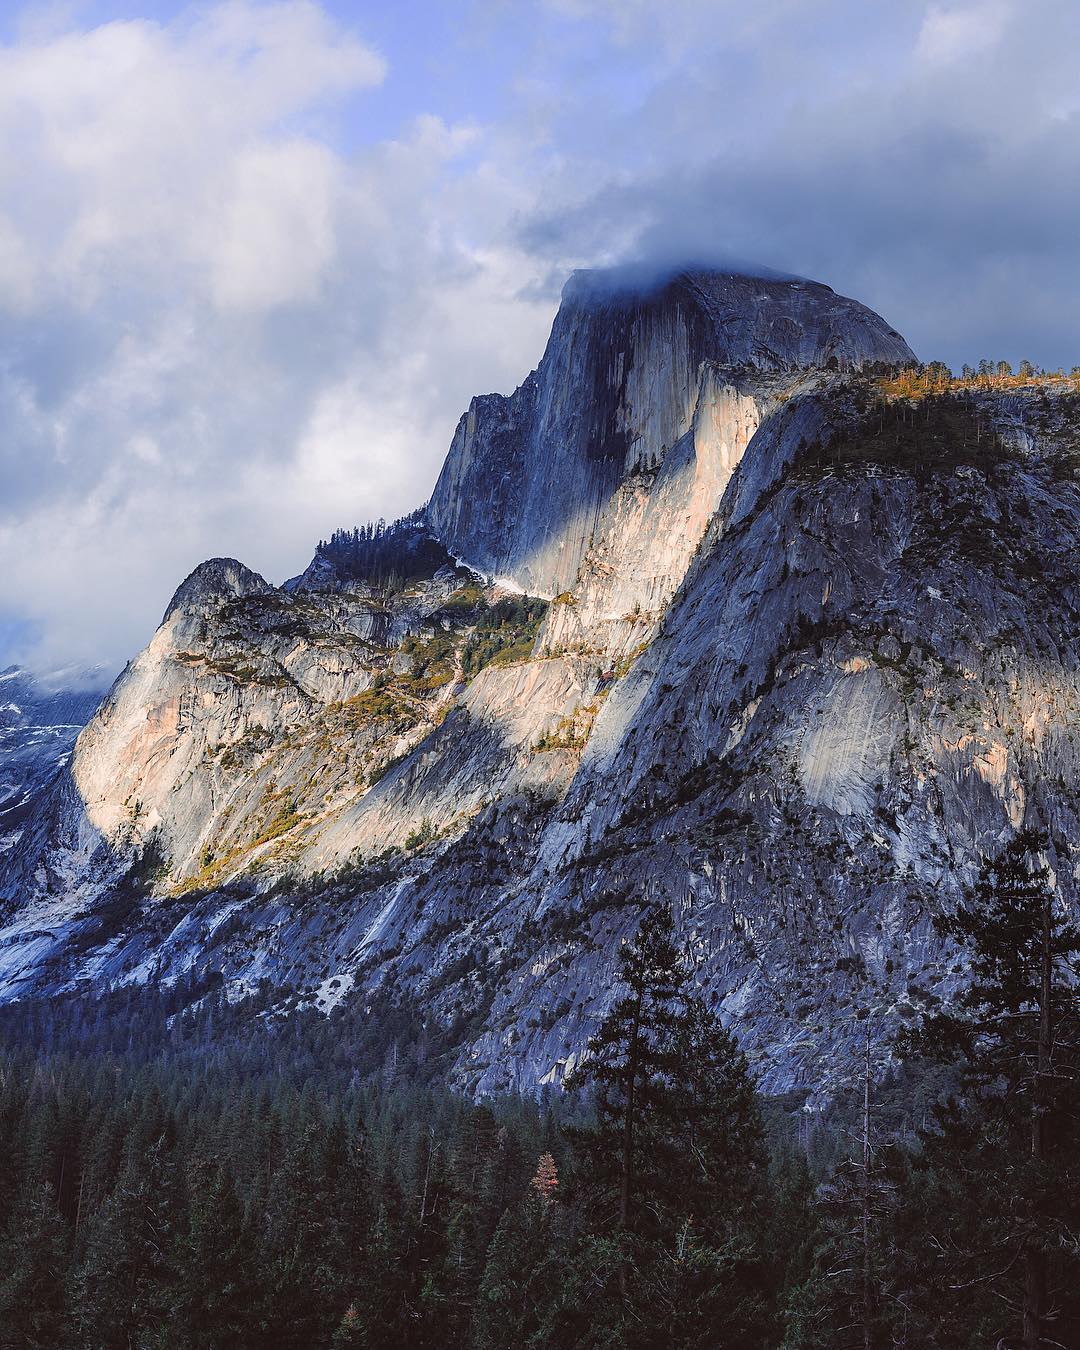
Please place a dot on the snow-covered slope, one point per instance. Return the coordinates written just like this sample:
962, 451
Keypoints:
40, 717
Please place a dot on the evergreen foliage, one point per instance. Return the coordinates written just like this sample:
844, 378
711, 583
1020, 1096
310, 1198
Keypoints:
386, 557
1006, 1151
504, 632
935, 377
970, 1238
184, 1172
674, 1176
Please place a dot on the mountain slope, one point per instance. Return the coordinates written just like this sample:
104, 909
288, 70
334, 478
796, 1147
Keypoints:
808, 652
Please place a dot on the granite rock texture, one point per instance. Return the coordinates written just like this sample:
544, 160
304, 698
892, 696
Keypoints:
807, 657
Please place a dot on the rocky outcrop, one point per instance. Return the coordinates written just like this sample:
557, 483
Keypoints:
212, 584
808, 654
869, 680
634, 364
594, 481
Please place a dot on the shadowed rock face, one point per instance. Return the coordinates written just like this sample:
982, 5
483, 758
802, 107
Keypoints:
793, 692
630, 360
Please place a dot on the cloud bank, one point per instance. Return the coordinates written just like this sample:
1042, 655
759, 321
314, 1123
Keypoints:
255, 257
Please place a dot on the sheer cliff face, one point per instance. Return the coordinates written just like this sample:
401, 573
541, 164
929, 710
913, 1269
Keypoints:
635, 371
804, 660
869, 679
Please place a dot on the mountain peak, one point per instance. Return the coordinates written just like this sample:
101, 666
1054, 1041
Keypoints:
746, 316
638, 358
214, 581
642, 279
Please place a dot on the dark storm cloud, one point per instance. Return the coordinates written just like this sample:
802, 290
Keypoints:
945, 192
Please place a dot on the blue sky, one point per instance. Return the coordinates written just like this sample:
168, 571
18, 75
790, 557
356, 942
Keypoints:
255, 257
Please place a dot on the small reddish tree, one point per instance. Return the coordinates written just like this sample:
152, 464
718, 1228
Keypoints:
546, 1180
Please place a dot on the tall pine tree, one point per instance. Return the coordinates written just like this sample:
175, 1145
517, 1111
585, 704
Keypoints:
674, 1167
1008, 1145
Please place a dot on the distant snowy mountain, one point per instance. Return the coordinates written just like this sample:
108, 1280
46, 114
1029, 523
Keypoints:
40, 717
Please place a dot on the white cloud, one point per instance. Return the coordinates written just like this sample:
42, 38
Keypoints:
163, 142
957, 33
277, 227
923, 158
220, 332
17, 276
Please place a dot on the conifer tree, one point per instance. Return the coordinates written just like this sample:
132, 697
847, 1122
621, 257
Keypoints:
121, 1288
306, 1295
630, 1062
213, 1302
33, 1259
500, 1317
351, 1334
1009, 1143
675, 1163
383, 1297
545, 1180
720, 1194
